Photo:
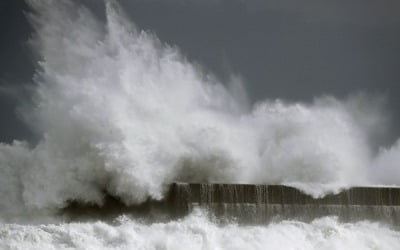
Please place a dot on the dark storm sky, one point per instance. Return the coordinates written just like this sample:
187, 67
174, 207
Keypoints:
290, 49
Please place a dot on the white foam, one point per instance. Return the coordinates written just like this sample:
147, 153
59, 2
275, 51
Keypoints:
198, 232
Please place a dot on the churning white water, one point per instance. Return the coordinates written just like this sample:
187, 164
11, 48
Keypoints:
196, 232
118, 111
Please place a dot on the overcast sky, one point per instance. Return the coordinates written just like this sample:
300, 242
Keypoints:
290, 49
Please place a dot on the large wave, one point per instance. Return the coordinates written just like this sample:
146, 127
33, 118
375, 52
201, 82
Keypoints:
118, 111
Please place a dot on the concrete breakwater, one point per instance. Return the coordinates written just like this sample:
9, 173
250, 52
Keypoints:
251, 203
255, 203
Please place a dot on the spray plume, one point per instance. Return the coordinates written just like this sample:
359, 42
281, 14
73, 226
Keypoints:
118, 111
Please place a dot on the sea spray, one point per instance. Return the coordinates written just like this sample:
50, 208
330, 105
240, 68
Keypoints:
118, 111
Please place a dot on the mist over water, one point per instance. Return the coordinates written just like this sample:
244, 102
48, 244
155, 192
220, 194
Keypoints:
118, 111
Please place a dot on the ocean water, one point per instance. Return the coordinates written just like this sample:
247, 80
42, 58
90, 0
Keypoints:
196, 231
120, 112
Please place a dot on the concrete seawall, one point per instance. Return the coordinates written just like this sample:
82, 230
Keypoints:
255, 203
250, 204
